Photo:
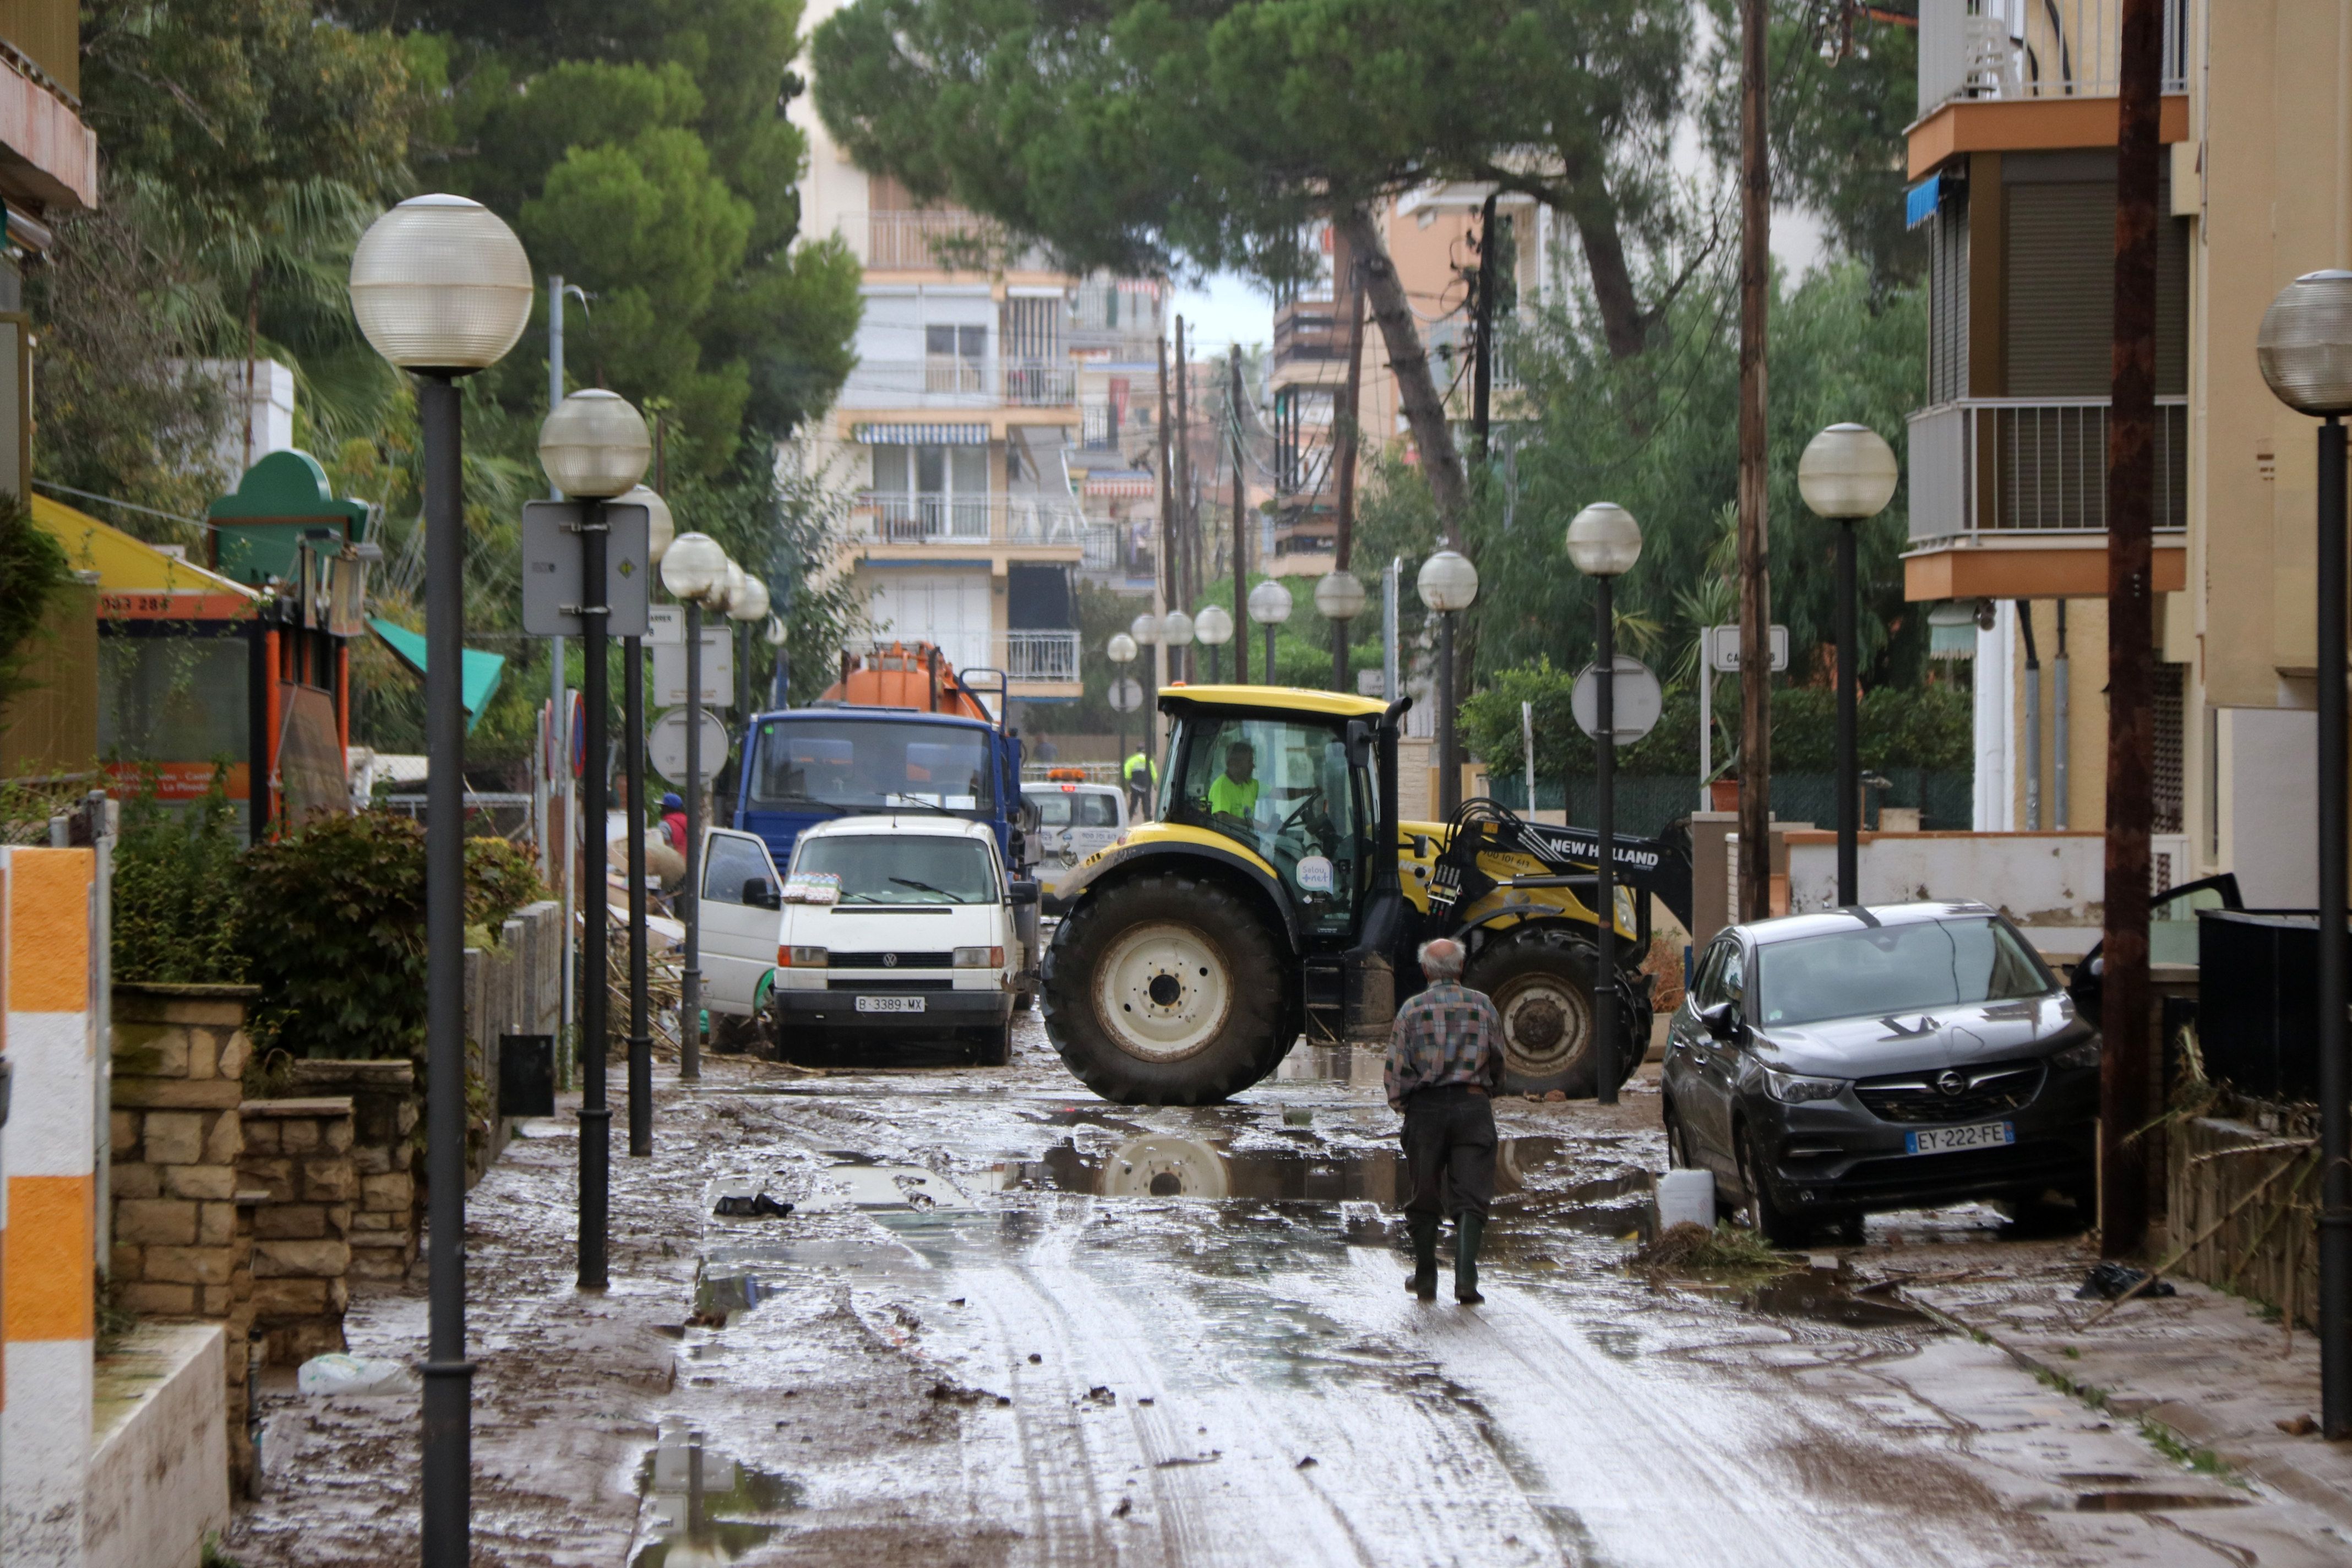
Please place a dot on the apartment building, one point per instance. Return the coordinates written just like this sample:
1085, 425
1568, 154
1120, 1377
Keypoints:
2013, 158
964, 430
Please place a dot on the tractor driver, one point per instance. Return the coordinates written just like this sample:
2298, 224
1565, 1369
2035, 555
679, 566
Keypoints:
1235, 791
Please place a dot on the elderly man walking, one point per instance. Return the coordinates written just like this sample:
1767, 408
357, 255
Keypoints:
1446, 1060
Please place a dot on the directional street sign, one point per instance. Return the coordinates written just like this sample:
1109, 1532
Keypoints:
666, 745
669, 638
1127, 695
1723, 649
551, 593
1639, 701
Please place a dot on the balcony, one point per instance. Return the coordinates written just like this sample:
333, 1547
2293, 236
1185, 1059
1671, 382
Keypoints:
2027, 49
925, 241
887, 517
1309, 329
948, 381
2009, 498
1033, 657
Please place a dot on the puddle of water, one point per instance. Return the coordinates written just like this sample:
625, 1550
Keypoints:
701, 1507
1824, 1296
1169, 1165
871, 1186
2152, 1502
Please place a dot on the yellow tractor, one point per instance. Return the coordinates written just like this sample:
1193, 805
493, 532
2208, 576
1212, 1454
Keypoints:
1280, 895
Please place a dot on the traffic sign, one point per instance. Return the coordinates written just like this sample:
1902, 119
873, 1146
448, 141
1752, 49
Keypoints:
666, 745
1127, 695
1638, 701
668, 636
1723, 649
551, 574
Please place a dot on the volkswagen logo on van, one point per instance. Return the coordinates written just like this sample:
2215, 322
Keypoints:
889, 960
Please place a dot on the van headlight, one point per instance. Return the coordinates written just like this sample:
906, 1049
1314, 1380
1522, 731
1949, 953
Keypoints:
980, 958
802, 958
1792, 1089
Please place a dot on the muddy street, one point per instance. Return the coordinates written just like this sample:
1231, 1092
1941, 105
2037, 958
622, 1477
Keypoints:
1008, 1323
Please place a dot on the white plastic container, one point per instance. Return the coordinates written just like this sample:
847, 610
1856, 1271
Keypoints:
1685, 1197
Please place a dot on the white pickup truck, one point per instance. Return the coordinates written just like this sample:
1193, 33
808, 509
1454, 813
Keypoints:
896, 928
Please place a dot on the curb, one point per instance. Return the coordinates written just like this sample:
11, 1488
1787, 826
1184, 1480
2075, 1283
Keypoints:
2186, 1423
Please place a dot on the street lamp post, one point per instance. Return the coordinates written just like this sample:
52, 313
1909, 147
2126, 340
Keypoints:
1213, 626
1340, 599
1269, 606
442, 288
1121, 651
1604, 542
660, 531
1848, 473
2305, 349
1448, 584
595, 447
696, 572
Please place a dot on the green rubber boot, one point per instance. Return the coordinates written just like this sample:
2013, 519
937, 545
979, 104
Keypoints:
1468, 1228
1423, 1228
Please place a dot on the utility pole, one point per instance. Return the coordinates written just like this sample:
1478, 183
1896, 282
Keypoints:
559, 715
1755, 585
1241, 555
1172, 568
1482, 373
1344, 456
2125, 1079
1187, 518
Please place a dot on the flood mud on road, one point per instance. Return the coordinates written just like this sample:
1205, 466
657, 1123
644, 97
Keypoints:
1007, 1324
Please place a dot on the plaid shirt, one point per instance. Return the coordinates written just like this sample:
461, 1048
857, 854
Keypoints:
1445, 1035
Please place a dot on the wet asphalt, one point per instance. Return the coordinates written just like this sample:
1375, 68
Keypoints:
1007, 1323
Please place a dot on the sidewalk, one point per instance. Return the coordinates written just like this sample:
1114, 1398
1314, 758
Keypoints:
2201, 1370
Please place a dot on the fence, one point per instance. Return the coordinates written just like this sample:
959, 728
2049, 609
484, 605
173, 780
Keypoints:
1647, 804
2032, 465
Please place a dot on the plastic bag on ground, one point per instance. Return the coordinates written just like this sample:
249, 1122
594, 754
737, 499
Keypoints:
336, 1372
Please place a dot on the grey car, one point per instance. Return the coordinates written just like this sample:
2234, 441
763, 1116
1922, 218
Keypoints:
1906, 1056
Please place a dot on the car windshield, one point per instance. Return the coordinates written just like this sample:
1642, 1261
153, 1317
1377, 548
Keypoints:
1076, 808
1877, 970
903, 868
867, 763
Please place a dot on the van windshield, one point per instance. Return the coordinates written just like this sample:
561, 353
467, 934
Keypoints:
1078, 809
862, 763
904, 869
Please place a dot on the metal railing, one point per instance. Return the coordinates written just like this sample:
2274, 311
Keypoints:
2031, 465
924, 240
1035, 656
951, 381
1309, 329
2013, 49
892, 517
1038, 655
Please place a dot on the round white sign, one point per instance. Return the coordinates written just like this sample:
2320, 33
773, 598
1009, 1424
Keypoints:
1635, 706
666, 745
1126, 696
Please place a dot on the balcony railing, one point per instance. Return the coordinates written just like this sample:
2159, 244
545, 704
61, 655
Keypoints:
1033, 656
949, 380
922, 240
888, 517
2031, 465
1309, 329
2033, 49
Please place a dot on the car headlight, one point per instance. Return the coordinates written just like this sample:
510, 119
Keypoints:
802, 958
980, 958
1794, 1089
2081, 1054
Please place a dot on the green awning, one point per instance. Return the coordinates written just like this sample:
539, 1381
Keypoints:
483, 671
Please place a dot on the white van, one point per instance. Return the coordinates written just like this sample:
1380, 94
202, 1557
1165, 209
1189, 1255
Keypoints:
891, 927
1074, 821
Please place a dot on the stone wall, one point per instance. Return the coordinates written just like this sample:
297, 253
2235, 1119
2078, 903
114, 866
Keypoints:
183, 1221
384, 1114
299, 1151
516, 988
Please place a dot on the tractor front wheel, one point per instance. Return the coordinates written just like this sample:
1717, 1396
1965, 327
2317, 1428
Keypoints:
1165, 989
1540, 980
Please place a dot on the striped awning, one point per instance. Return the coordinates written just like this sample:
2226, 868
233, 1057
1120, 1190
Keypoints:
919, 434
1122, 482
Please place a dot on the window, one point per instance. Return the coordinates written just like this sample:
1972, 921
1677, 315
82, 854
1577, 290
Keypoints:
929, 492
863, 765
954, 358
1287, 793
904, 869
730, 863
1077, 809
1876, 971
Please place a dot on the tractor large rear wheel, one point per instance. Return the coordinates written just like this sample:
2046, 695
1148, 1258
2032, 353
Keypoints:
1165, 989
1540, 980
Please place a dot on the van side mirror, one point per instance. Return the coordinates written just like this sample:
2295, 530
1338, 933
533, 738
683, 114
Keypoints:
761, 894
1720, 1019
1024, 891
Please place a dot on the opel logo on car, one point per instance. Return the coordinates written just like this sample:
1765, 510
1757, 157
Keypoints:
891, 961
1950, 1082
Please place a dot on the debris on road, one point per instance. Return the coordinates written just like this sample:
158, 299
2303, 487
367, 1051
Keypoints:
2112, 1281
756, 1205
